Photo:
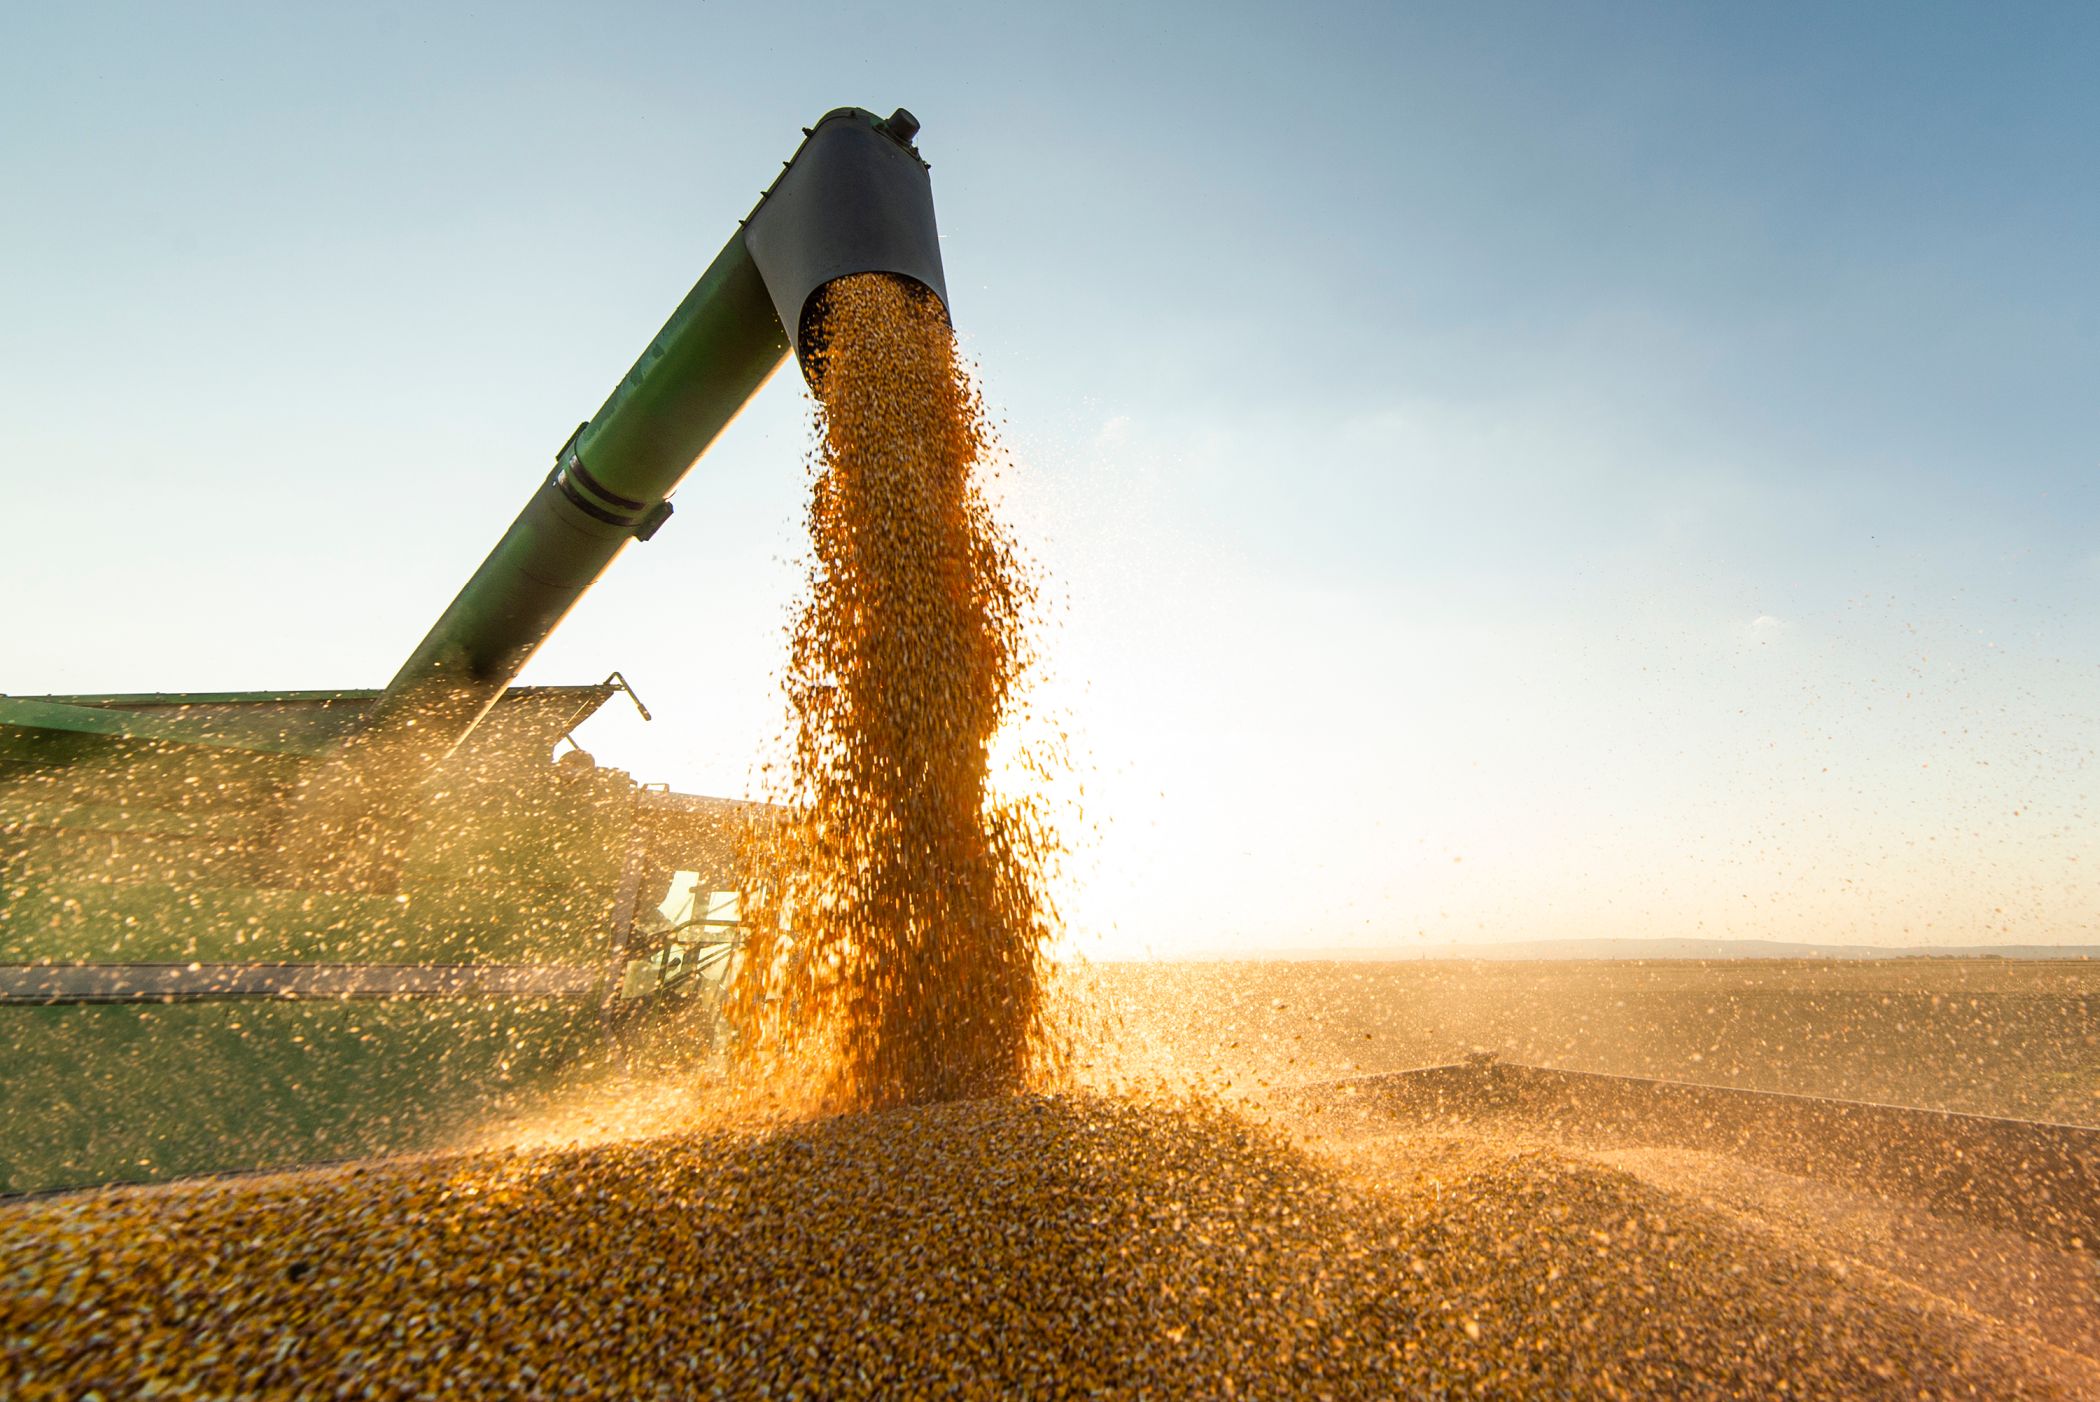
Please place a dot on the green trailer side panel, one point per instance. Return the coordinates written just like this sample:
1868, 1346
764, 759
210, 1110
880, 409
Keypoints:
102, 1094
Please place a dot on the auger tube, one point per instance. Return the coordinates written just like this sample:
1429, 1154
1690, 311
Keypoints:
855, 198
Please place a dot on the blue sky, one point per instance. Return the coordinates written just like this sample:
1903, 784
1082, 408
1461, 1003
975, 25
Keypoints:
1510, 470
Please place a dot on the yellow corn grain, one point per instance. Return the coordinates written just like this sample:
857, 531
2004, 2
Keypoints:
897, 914
1019, 1246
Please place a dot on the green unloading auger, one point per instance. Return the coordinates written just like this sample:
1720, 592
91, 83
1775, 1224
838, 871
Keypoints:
854, 199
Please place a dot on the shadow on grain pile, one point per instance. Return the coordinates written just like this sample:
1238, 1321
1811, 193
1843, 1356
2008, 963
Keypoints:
1029, 1243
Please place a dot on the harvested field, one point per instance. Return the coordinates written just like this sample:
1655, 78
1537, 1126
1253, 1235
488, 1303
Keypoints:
1059, 1246
1994, 1037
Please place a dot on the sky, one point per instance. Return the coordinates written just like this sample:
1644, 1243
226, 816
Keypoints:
1503, 471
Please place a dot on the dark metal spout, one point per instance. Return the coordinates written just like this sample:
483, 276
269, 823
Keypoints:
856, 199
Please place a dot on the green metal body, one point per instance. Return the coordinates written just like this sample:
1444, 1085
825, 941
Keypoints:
175, 996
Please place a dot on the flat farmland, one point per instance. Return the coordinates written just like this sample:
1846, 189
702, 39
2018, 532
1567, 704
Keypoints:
1987, 1036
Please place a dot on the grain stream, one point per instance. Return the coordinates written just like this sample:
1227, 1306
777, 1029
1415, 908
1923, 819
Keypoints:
898, 914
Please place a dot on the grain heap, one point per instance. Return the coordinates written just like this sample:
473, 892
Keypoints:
1027, 1245
898, 914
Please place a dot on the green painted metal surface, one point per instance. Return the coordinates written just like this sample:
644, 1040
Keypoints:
26, 717
100, 1093
715, 352
609, 485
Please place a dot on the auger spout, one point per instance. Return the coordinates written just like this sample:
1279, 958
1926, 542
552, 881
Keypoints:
855, 198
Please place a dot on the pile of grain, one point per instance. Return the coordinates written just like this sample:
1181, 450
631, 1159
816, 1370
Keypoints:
897, 916
1025, 1245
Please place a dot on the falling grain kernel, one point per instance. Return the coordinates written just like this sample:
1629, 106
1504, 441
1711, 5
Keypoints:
898, 912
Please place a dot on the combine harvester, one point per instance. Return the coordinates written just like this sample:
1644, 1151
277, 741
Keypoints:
250, 928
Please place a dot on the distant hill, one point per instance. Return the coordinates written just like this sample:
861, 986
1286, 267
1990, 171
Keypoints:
1671, 949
